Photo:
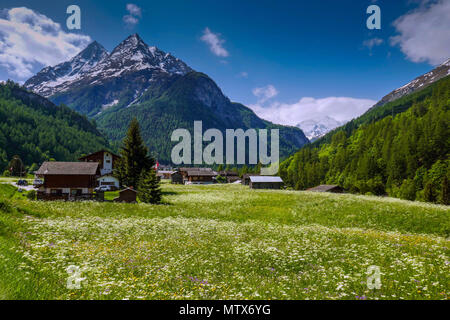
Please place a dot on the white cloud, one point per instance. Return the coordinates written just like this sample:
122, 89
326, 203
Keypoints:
265, 93
215, 43
424, 34
370, 43
340, 108
134, 10
134, 13
28, 39
243, 74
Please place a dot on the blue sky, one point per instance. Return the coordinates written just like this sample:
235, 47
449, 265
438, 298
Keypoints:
289, 49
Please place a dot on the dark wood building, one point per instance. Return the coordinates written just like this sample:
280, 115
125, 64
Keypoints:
230, 176
194, 176
200, 176
177, 178
265, 182
107, 163
67, 180
127, 195
327, 188
246, 178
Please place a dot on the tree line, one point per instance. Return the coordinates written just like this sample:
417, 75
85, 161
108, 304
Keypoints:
404, 156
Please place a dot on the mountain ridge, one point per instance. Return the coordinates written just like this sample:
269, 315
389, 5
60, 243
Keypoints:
136, 80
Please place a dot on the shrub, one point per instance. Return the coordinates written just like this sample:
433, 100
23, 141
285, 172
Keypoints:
31, 195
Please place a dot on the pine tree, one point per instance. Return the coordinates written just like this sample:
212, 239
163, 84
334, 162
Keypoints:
445, 192
135, 157
428, 194
149, 187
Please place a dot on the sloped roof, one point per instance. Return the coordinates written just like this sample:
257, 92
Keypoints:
100, 151
68, 168
228, 173
201, 173
324, 188
128, 189
265, 179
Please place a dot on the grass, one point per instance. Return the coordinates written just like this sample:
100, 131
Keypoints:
226, 242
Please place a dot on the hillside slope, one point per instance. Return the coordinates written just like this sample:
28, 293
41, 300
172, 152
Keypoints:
36, 129
401, 148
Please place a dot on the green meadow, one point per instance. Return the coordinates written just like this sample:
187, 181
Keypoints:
224, 242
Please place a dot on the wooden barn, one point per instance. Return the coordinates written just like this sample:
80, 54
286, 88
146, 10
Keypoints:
164, 174
194, 176
327, 188
67, 180
230, 176
200, 176
177, 178
246, 178
127, 195
265, 182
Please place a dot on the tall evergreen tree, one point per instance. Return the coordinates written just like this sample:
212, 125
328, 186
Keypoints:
135, 157
445, 192
149, 187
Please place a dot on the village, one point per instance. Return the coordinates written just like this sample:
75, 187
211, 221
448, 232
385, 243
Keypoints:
93, 175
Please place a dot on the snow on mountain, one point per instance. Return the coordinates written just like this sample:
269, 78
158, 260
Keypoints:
419, 83
317, 127
95, 66
50, 79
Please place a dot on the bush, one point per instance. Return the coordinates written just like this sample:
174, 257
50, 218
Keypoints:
31, 195
221, 179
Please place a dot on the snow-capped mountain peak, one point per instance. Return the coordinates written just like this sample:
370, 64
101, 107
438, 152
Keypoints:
48, 79
419, 83
94, 65
317, 127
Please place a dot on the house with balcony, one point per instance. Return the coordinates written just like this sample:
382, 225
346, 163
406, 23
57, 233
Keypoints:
67, 180
107, 163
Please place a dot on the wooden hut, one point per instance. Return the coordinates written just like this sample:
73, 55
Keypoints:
127, 195
327, 188
177, 178
265, 182
246, 178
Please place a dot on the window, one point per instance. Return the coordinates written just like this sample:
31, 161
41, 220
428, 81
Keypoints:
108, 161
56, 192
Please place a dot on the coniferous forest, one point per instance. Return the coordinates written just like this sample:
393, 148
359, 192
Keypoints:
400, 149
37, 130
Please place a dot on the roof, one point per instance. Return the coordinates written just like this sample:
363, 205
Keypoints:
265, 179
248, 175
128, 189
68, 168
195, 169
165, 171
202, 173
100, 151
228, 173
324, 188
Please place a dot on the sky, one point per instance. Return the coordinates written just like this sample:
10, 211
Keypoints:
289, 60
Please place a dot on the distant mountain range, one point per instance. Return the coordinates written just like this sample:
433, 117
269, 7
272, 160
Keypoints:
317, 127
161, 91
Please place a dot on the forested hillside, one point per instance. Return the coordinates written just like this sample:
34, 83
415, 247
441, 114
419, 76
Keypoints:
37, 130
400, 149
